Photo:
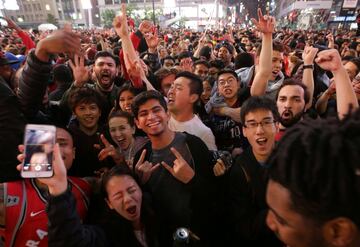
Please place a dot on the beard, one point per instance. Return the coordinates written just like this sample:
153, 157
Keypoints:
288, 122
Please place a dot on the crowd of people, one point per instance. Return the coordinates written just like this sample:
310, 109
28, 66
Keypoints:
243, 137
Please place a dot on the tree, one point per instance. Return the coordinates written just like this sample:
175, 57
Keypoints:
51, 19
108, 16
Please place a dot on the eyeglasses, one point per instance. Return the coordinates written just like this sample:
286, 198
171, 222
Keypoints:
229, 81
264, 124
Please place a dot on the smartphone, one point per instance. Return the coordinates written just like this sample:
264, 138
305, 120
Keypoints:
39, 143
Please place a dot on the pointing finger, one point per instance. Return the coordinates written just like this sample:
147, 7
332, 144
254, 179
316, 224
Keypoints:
105, 141
260, 15
123, 9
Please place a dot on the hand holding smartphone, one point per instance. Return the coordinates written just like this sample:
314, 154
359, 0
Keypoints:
39, 144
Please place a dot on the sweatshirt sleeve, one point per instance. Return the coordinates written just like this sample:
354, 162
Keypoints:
28, 42
65, 227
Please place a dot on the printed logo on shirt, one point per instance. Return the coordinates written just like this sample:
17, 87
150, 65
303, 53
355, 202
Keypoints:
12, 201
33, 214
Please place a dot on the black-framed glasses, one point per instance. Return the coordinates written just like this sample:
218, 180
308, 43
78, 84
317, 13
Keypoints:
264, 124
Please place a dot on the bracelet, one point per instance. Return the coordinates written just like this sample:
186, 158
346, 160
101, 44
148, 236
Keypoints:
310, 66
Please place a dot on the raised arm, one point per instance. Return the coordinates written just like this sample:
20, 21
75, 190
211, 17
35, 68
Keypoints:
308, 77
36, 73
345, 95
265, 25
130, 56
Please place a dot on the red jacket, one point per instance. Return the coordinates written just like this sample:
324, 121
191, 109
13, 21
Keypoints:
25, 211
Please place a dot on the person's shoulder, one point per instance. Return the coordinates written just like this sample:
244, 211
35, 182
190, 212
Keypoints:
194, 141
243, 70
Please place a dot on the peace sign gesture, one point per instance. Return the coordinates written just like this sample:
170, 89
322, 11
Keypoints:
266, 23
181, 170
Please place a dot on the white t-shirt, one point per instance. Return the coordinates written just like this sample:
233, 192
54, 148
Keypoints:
195, 127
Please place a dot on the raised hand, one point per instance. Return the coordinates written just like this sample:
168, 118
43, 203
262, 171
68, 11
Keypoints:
57, 184
80, 72
12, 24
120, 23
329, 60
330, 38
145, 169
186, 64
265, 24
145, 27
309, 54
152, 40
181, 170
109, 150
61, 41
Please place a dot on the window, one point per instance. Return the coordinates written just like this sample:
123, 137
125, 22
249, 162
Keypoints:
39, 7
108, 1
34, 7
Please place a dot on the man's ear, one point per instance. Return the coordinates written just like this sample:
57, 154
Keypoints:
193, 98
244, 131
340, 232
137, 123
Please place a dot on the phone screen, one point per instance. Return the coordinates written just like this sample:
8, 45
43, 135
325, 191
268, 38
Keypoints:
39, 144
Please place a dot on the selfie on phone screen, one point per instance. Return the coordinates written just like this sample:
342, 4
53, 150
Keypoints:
39, 144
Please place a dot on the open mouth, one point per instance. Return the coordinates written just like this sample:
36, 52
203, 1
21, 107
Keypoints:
261, 141
105, 77
287, 115
89, 119
131, 210
154, 124
275, 73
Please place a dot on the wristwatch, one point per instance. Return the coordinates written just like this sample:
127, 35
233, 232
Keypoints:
310, 66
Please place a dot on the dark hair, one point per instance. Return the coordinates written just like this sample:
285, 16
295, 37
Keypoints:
126, 87
195, 82
62, 74
318, 162
295, 82
143, 97
116, 171
210, 79
104, 54
85, 95
217, 64
255, 103
243, 60
347, 58
227, 71
164, 72
167, 58
183, 55
205, 63
356, 61
277, 46
122, 114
